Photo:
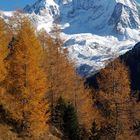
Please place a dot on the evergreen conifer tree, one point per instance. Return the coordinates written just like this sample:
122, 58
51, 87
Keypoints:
71, 125
58, 114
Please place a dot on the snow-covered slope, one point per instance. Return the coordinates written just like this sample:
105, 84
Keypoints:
94, 30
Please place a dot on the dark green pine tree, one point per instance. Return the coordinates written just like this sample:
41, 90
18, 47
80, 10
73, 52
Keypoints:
95, 132
71, 125
58, 113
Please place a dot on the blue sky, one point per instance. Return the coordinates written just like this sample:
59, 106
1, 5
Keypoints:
14, 4
17, 4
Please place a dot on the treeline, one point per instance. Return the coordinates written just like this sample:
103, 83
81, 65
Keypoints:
41, 94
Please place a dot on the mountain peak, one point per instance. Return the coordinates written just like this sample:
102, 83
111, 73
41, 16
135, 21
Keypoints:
42, 7
93, 30
73, 5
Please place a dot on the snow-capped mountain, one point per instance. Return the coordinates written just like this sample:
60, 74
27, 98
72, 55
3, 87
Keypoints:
98, 17
94, 30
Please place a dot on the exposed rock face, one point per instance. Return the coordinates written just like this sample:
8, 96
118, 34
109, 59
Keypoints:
93, 30
114, 15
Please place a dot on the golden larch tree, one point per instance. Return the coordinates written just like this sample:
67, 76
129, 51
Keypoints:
26, 81
114, 91
4, 40
64, 81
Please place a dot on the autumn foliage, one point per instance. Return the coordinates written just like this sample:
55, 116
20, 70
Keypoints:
114, 94
42, 95
26, 82
65, 82
3, 53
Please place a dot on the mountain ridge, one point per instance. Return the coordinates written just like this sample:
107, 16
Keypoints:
92, 30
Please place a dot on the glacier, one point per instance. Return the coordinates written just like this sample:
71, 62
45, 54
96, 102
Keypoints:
94, 31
